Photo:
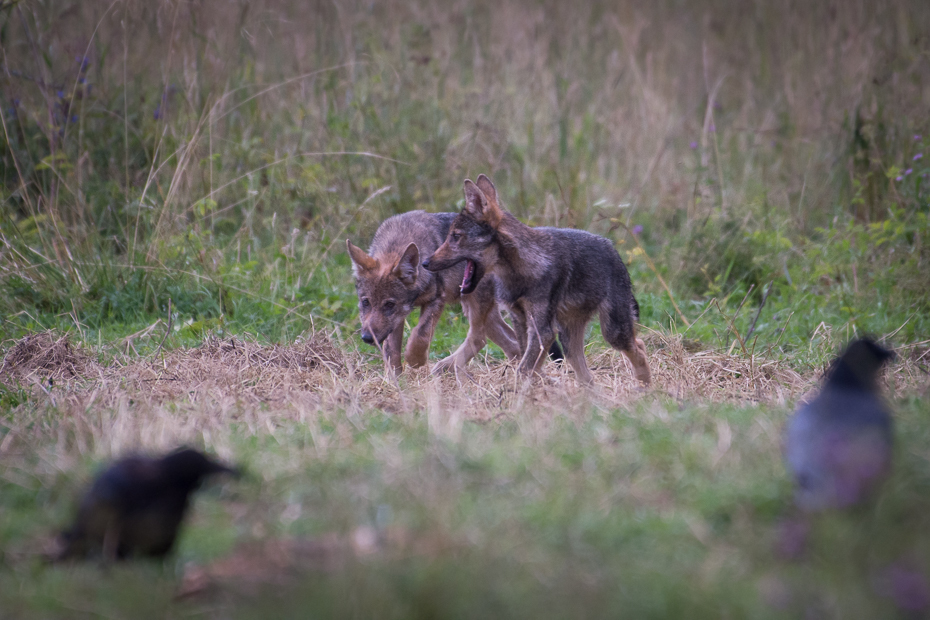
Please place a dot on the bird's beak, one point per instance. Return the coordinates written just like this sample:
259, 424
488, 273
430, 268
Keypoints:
235, 472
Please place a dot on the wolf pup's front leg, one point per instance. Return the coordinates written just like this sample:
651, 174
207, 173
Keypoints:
418, 343
391, 348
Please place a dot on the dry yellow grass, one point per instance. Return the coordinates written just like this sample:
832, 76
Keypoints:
191, 394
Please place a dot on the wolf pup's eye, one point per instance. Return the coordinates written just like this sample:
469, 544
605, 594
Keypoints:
365, 302
389, 305
456, 236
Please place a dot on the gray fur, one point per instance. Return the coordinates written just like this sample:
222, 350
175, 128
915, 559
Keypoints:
390, 286
551, 280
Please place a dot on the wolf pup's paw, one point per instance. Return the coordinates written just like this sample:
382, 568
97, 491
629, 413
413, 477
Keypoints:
447, 364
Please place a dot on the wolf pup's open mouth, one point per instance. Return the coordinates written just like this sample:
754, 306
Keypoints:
467, 278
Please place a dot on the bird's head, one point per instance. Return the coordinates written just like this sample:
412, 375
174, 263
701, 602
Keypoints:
860, 363
189, 467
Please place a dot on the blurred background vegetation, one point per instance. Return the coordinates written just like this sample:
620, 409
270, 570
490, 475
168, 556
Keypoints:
217, 154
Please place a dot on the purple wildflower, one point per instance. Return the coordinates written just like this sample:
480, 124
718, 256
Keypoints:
908, 171
899, 178
60, 94
74, 118
83, 62
712, 127
916, 137
157, 114
918, 156
637, 229
693, 145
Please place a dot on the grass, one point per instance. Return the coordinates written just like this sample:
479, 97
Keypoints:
657, 508
436, 496
176, 175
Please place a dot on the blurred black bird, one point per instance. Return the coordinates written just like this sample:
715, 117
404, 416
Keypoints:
136, 506
838, 445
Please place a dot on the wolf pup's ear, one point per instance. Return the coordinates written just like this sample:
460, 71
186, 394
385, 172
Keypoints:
360, 261
478, 206
406, 268
487, 188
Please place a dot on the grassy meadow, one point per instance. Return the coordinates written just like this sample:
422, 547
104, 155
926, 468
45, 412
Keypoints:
177, 181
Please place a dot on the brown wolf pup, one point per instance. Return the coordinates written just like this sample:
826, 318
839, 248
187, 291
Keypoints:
548, 279
390, 282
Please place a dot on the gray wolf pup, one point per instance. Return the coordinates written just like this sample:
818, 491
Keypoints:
390, 282
548, 279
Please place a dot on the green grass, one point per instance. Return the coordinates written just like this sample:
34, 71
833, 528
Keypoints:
588, 514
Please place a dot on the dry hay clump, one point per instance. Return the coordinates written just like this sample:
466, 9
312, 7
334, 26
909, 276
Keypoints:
318, 351
248, 372
46, 355
685, 371
317, 373
910, 372
488, 389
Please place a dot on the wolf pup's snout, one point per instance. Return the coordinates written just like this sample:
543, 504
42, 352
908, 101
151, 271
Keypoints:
367, 338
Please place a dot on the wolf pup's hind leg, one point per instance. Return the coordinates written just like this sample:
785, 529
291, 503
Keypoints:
619, 331
572, 337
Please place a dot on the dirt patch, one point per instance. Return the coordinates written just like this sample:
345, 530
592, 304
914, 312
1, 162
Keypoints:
46, 355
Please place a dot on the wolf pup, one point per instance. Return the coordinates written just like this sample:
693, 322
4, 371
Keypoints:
548, 279
390, 282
